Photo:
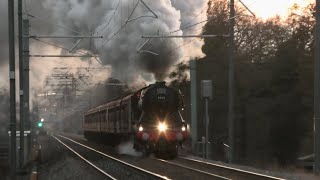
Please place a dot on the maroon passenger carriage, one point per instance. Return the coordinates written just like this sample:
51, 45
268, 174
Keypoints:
151, 115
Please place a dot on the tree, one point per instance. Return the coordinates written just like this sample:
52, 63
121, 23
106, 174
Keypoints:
274, 82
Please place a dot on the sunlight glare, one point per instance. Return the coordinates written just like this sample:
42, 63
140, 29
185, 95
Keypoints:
270, 8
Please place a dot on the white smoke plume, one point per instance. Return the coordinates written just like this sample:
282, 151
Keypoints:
192, 12
127, 148
118, 48
105, 18
100, 17
45, 66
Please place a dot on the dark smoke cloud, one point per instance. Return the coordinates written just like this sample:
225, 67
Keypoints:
120, 53
90, 17
158, 65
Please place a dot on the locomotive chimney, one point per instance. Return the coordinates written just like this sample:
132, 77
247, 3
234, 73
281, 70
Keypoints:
161, 83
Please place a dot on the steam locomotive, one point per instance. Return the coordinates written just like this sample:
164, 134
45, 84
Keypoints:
151, 115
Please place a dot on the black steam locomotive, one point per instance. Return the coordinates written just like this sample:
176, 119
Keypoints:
151, 115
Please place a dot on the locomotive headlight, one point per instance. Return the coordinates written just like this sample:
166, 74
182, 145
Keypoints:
183, 128
140, 128
162, 127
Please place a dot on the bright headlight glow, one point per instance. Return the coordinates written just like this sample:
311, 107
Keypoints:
183, 128
140, 128
162, 127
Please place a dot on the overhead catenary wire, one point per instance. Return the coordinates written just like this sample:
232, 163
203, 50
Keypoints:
192, 25
206, 7
58, 46
247, 8
26, 6
64, 27
121, 27
185, 27
184, 36
58, 56
46, 21
51, 44
195, 24
112, 16
154, 14
61, 37
126, 22
151, 38
208, 19
134, 8
171, 51
78, 52
75, 54
148, 8
178, 30
186, 43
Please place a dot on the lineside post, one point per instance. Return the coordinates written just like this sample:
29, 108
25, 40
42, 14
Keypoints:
26, 89
206, 93
317, 92
230, 153
193, 95
12, 77
21, 83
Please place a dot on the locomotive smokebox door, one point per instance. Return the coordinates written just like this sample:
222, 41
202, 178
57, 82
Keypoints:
206, 89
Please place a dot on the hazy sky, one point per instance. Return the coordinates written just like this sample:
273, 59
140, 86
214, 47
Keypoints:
269, 8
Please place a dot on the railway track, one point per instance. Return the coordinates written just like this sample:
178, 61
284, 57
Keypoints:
170, 171
195, 170
218, 170
180, 168
109, 166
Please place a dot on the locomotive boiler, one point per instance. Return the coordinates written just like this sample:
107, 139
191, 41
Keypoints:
151, 116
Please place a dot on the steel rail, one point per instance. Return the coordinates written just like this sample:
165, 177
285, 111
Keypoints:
233, 169
192, 169
117, 160
84, 159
